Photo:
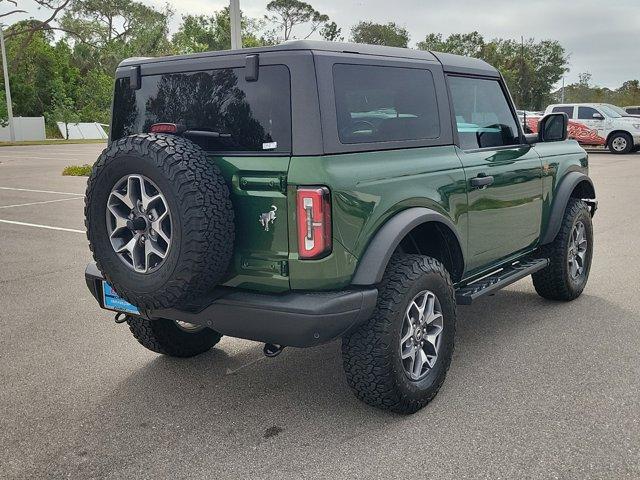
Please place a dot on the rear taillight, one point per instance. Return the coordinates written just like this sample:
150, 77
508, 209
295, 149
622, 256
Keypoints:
314, 222
164, 128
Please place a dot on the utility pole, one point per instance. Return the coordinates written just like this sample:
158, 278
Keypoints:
7, 88
562, 94
236, 26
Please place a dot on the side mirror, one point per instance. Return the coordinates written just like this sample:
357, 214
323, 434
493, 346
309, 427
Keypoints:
553, 127
597, 116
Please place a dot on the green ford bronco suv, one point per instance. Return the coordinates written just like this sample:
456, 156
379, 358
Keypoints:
300, 193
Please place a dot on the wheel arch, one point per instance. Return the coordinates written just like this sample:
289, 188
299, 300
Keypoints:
419, 229
574, 185
613, 132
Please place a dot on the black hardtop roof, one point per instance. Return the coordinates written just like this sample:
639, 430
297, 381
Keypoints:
450, 63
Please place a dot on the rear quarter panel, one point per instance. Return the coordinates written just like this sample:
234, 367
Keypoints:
367, 189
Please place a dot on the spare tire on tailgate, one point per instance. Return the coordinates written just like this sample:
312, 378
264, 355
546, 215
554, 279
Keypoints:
159, 220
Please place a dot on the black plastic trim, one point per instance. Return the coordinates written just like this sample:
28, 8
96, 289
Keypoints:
297, 319
373, 263
509, 274
252, 68
562, 195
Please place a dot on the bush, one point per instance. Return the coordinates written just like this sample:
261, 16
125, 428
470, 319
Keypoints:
77, 170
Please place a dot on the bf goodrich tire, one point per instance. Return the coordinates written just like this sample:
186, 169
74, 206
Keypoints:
416, 312
569, 254
620, 143
172, 338
159, 220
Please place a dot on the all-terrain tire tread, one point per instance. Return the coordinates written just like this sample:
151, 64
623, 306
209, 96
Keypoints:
160, 336
550, 282
208, 217
368, 352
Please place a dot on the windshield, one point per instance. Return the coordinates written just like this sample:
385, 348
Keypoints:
618, 110
609, 112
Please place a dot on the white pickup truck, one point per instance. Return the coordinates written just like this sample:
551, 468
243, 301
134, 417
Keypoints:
600, 124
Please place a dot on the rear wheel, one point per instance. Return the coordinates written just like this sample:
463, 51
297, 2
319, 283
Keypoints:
173, 338
620, 143
399, 358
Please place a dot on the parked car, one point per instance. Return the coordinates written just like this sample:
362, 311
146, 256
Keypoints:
597, 124
523, 115
315, 190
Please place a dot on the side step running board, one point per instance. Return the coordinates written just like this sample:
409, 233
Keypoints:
506, 276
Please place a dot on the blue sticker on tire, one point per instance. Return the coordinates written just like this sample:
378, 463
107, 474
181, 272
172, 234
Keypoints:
112, 301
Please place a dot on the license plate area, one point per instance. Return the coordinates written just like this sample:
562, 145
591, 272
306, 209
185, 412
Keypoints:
112, 301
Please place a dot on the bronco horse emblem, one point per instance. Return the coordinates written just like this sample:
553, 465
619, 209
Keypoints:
268, 217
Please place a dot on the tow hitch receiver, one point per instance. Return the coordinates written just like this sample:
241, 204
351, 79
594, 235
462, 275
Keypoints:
271, 350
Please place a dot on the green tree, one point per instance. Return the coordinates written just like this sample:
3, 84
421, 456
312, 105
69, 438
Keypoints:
92, 97
388, 34
331, 32
286, 14
530, 68
629, 93
37, 69
201, 33
469, 44
63, 110
585, 91
4, 115
117, 29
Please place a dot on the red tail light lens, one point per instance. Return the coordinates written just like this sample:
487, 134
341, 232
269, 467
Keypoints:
164, 128
314, 222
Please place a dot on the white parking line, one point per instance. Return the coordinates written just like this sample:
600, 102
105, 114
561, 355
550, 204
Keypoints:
40, 191
48, 227
40, 203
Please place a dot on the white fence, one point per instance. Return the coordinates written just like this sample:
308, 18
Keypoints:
26, 128
79, 131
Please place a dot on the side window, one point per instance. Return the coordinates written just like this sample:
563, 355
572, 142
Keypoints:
633, 111
483, 116
567, 110
384, 104
586, 113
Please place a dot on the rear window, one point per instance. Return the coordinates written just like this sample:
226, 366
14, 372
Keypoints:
384, 104
567, 110
250, 116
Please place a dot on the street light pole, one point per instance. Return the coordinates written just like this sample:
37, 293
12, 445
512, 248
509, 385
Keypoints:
7, 88
236, 27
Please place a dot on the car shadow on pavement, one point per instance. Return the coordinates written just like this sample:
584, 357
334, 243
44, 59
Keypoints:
222, 406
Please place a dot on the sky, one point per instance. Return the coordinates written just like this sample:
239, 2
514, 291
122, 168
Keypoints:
602, 38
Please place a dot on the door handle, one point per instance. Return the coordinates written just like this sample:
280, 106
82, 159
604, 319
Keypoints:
482, 181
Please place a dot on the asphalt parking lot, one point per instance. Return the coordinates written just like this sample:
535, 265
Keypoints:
536, 390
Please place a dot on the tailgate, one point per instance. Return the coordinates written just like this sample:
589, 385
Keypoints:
258, 192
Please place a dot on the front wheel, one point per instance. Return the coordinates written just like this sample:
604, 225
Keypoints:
569, 254
399, 358
173, 338
620, 143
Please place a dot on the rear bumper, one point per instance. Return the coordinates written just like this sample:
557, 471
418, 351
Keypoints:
297, 319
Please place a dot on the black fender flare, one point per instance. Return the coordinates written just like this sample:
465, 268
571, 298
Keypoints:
373, 263
562, 195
